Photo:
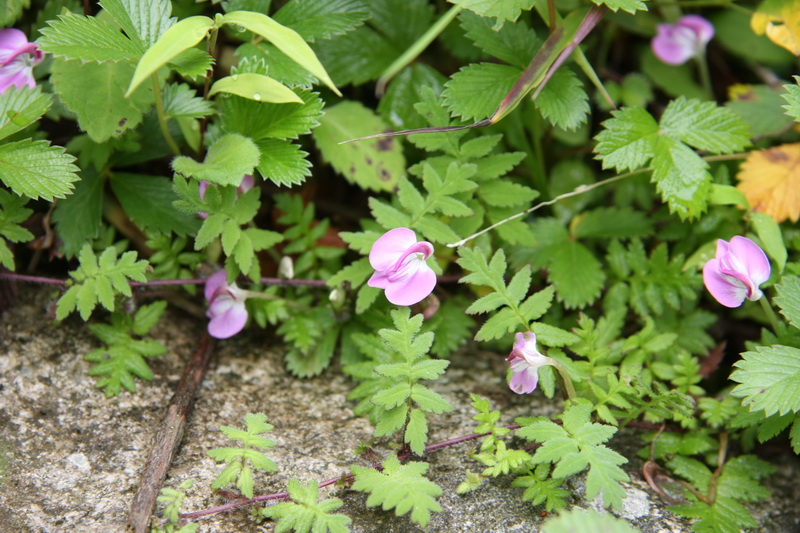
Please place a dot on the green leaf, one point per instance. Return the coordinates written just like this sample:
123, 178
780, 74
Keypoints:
20, 107
148, 201
503, 10
147, 317
704, 126
375, 164
10, 10
404, 91
628, 140
475, 91
769, 232
182, 101
788, 299
513, 43
36, 169
322, 19
82, 38
283, 162
400, 487
182, 36
144, 21
262, 120
108, 112
12, 212
792, 96
576, 274
631, 6
416, 431
77, 217
226, 162
622, 222
769, 379
285, 39
586, 521
304, 513
759, 106
255, 87
681, 177
563, 101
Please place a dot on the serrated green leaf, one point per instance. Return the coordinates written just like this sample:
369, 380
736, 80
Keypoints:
788, 299
226, 162
416, 431
428, 400
108, 112
74, 36
769, 379
77, 217
375, 164
513, 43
147, 317
576, 274
681, 177
628, 140
792, 96
20, 107
504, 10
182, 101
148, 200
505, 193
563, 101
631, 6
615, 222
586, 521
144, 21
475, 91
705, 126
322, 19
283, 162
36, 169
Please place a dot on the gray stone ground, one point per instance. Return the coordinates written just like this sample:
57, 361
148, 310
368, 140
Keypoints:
73, 458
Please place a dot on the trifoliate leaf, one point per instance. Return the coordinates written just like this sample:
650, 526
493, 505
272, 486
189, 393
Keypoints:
226, 162
95, 92
20, 107
770, 180
769, 379
704, 126
375, 164
628, 140
82, 38
681, 177
304, 512
37, 170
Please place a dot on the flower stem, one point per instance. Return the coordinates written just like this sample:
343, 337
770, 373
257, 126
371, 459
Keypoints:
571, 394
771, 316
162, 118
705, 77
416, 49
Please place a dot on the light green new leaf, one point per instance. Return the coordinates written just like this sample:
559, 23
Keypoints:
255, 87
375, 164
82, 38
182, 36
771, 237
788, 299
145, 21
20, 107
285, 39
96, 93
227, 161
37, 170
769, 379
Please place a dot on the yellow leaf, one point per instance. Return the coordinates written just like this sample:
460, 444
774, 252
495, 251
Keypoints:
780, 21
770, 180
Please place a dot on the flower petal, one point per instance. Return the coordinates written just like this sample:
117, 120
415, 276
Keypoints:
753, 259
702, 28
214, 282
390, 246
11, 39
671, 47
228, 323
413, 288
727, 290
524, 382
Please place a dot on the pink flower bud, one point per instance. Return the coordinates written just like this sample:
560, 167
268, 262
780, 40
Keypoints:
525, 361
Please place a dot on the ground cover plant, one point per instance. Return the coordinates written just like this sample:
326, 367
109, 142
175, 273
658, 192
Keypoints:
607, 191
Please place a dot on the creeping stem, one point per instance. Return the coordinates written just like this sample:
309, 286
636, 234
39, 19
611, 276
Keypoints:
162, 118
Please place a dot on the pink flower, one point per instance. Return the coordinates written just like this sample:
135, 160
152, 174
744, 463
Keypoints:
248, 182
17, 58
226, 307
525, 361
400, 267
675, 44
736, 272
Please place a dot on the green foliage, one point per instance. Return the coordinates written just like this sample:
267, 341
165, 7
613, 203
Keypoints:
12, 212
241, 461
87, 39
144, 21
21, 107
737, 481
576, 445
227, 160
501, 460
768, 379
792, 96
502, 11
123, 357
311, 337
632, 138
563, 101
375, 164
99, 281
36, 169
78, 217
174, 501
515, 310
488, 423
788, 299
304, 514
170, 260
148, 201
586, 521
400, 487
540, 488
322, 19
